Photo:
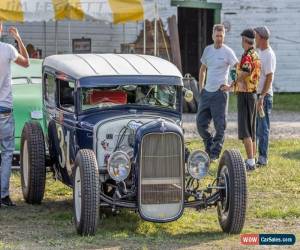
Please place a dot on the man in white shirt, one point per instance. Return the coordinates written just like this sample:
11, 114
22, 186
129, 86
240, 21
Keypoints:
216, 62
265, 92
7, 125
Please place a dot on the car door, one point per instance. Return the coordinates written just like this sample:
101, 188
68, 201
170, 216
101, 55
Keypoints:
66, 127
61, 120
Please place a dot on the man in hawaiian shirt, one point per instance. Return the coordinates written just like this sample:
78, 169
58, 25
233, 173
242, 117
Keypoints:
248, 74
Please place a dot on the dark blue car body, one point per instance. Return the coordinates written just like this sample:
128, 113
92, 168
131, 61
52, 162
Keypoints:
113, 132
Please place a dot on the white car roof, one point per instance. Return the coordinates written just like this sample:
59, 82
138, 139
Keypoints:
85, 65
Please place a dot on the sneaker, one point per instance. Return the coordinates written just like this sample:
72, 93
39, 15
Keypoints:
262, 161
6, 201
249, 167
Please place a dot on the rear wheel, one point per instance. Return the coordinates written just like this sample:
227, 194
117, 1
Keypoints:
185, 107
33, 168
189, 83
195, 89
86, 192
233, 203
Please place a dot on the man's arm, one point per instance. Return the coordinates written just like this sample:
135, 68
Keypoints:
23, 58
242, 76
241, 80
267, 85
229, 87
202, 75
244, 72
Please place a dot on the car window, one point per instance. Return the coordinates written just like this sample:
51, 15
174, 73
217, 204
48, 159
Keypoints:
66, 95
161, 96
50, 89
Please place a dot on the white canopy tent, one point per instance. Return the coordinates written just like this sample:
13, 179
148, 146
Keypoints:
112, 11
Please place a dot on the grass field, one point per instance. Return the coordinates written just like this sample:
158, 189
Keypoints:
281, 102
273, 207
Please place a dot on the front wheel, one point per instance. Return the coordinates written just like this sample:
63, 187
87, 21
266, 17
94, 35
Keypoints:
86, 192
233, 198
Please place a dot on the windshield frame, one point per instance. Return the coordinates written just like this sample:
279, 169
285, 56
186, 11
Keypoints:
107, 81
122, 80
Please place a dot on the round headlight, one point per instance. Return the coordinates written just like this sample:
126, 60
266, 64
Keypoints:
198, 163
119, 166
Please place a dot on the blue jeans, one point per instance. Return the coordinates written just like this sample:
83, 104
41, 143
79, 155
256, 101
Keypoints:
263, 128
212, 106
7, 147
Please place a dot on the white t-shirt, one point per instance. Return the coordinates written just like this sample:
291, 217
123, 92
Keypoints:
218, 62
8, 53
268, 65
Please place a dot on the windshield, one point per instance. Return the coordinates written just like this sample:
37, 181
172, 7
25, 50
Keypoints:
160, 96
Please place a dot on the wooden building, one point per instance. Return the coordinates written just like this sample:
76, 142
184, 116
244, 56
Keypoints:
195, 19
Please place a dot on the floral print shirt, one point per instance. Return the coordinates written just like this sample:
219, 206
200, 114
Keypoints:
250, 63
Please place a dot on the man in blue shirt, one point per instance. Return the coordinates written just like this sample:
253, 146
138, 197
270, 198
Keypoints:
216, 62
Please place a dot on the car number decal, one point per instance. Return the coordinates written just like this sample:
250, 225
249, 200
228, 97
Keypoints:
64, 145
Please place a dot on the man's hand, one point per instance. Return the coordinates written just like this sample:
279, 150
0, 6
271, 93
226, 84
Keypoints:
13, 31
225, 87
260, 103
200, 89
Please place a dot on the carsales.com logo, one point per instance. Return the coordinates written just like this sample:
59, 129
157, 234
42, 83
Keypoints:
268, 239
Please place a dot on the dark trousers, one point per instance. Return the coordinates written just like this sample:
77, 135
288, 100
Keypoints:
212, 106
263, 128
246, 105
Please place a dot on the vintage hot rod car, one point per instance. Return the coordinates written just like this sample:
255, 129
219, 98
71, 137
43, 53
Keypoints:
114, 134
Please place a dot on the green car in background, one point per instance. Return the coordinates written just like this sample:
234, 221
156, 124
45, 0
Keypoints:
27, 96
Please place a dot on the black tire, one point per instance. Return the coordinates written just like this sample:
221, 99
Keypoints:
192, 106
195, 89
185, 107
233, 204
86, 215
33, 163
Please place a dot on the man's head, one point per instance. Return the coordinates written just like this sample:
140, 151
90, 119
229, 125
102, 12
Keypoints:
248, 38
262, 35
218, 35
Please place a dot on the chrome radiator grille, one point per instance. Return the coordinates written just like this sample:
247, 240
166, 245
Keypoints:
161, 176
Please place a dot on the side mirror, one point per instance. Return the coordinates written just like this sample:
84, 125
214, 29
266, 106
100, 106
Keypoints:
188, 95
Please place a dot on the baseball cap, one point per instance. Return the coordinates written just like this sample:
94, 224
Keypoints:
263, 32
249, 33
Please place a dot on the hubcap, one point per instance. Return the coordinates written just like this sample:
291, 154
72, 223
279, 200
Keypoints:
224, 181
77, 192
25, 163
